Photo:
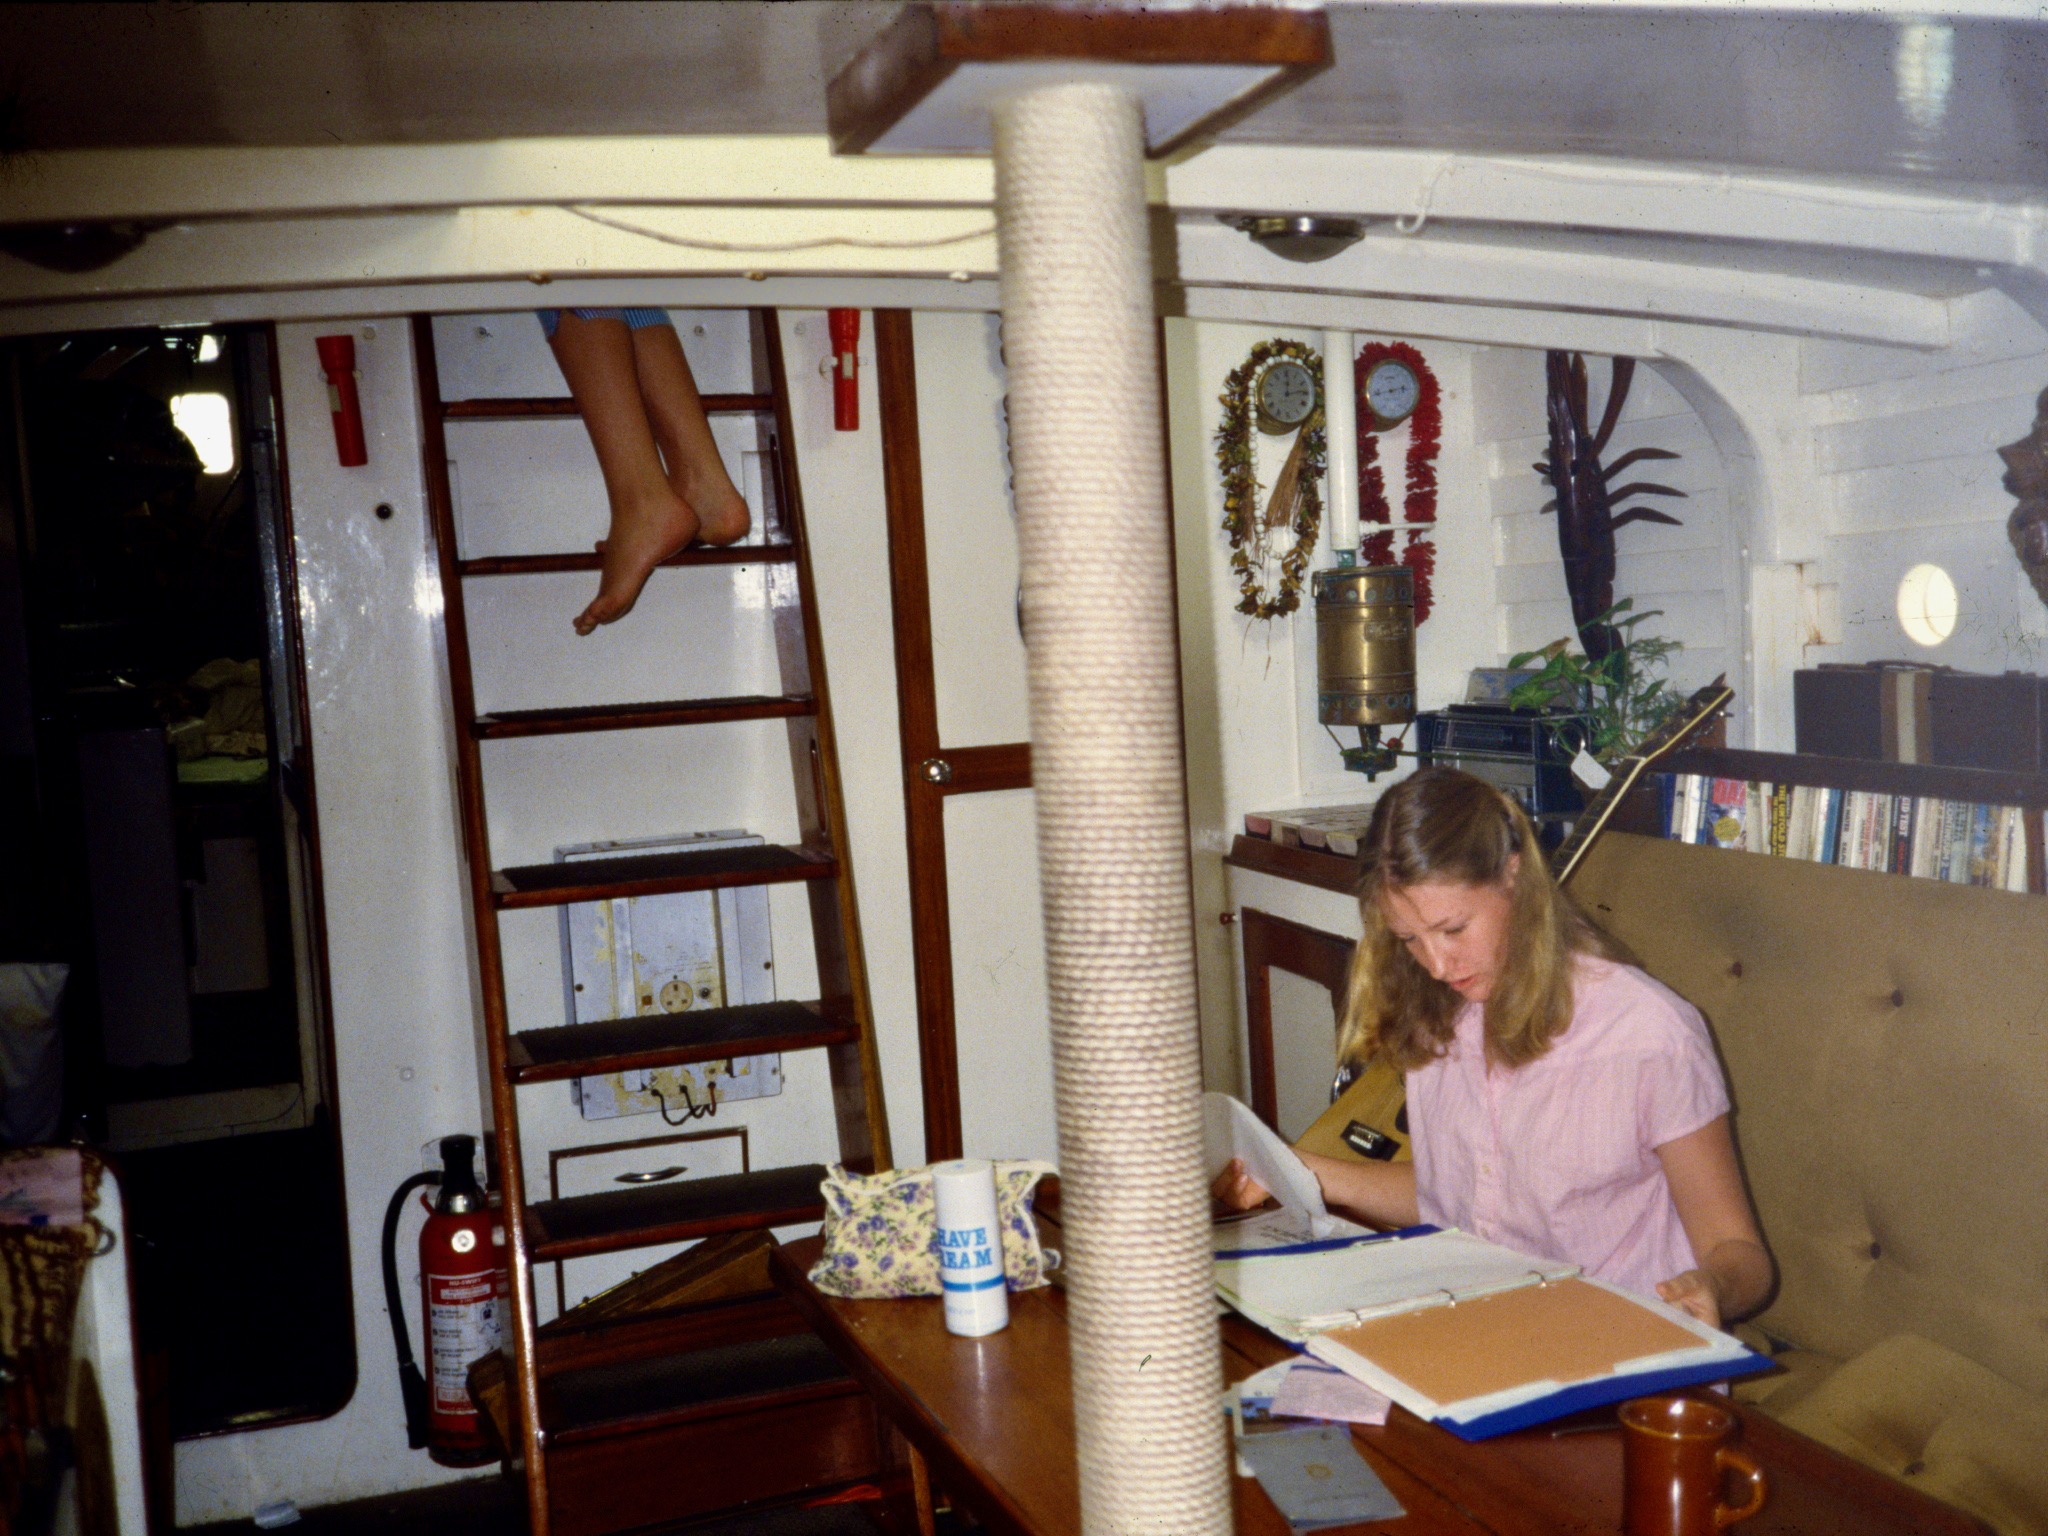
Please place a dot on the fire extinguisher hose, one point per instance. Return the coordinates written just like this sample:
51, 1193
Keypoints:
411, 1385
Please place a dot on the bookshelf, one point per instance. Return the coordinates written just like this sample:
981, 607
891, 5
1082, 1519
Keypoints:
1967, 786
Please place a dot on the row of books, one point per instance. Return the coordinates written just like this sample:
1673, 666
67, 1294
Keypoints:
1934, 839
1328, 828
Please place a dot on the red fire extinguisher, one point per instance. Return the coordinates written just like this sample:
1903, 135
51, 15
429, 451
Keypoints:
463, 1283
338, 362
845, 326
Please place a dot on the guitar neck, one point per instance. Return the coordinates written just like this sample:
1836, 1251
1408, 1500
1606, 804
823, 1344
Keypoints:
1699, 711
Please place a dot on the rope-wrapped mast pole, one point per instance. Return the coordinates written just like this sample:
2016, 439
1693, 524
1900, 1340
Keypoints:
1085, 439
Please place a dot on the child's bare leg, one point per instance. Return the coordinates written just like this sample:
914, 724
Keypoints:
649, 521
676, 412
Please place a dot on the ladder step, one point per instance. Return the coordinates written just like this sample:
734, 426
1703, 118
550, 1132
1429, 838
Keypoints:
674, 1213
630, 1395
696, 554
651, 874
670, 1039
626, 717
541, 407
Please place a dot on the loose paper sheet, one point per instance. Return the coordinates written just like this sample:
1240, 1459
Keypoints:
1231, 1130
1312, 1390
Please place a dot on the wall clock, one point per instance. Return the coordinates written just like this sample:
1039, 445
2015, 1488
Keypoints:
1392, 392
1286, 395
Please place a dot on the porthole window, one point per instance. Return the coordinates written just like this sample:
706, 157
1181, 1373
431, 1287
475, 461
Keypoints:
1927, 605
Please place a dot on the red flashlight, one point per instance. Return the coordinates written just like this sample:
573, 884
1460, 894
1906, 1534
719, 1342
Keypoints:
845, 365
338, 362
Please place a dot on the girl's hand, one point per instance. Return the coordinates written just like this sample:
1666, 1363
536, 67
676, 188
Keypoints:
1236, 1190
1694, 1292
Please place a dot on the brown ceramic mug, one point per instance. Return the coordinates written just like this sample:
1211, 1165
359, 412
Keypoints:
1677, 1454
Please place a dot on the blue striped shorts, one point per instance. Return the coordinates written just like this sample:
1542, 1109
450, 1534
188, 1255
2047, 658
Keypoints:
635, 319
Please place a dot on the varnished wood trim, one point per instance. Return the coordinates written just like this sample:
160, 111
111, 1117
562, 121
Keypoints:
935, 1439
1333, 872
917, 719
561, 885
635, 717
696, 554
861, 1114
672, 1039
545, 407
978, 770
927, 42
476, 843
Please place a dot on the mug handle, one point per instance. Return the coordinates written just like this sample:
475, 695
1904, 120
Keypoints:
1729, 1459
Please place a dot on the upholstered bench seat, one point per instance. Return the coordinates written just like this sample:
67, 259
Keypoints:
1886, 1041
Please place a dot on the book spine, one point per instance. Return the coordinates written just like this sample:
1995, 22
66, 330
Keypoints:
1781, 818
1850, 845
1667, 789
2013, 850
1756, 824
1902, 835
1956, 862
1983, 845
1926, 838
1830, 842
1799, 843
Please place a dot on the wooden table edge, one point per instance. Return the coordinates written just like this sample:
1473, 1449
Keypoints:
788, 1267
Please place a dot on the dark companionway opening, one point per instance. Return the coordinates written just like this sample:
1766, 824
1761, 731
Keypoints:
160, 810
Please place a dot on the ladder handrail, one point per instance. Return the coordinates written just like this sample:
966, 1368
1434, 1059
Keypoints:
476, 842
840, 1024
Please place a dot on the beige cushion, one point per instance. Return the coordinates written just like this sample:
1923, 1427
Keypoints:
1886, 1041
1798, 1371
1940, 1422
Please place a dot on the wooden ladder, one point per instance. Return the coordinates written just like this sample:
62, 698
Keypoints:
610, 1423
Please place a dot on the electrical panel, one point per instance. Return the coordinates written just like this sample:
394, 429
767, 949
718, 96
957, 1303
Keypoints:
679, 952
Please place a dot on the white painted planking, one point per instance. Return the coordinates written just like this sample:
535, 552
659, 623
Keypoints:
1001, 1021
842, 488
1253, 741
1926, 493
1942, 432
970, 531
398, 939
1689, 575
504, 354
1906, 450
1987, 327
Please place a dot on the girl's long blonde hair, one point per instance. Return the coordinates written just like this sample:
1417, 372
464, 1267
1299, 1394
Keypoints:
1441, 825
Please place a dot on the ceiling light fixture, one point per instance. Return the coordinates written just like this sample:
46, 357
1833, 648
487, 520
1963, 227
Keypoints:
1299, 236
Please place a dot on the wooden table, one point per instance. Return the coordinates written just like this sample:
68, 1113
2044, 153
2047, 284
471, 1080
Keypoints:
994, 1420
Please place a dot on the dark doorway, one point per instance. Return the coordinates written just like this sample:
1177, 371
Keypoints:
162, 813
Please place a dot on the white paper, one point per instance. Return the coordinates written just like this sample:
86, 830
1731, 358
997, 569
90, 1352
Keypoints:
1231, 1130
1295, 1295
1313, 1390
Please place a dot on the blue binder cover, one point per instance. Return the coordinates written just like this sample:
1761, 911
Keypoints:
1597, 1394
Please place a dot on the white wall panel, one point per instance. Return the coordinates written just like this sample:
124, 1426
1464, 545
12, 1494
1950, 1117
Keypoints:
970, 531
1907, 448
398, 936
1001, 1021
1248, 687
1689, 575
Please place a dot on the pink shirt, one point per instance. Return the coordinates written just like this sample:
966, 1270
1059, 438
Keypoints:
1558, 1158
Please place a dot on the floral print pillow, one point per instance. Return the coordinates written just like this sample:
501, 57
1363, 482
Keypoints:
882, 1236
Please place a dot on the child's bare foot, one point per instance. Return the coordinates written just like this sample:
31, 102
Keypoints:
644, 532
722, 516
